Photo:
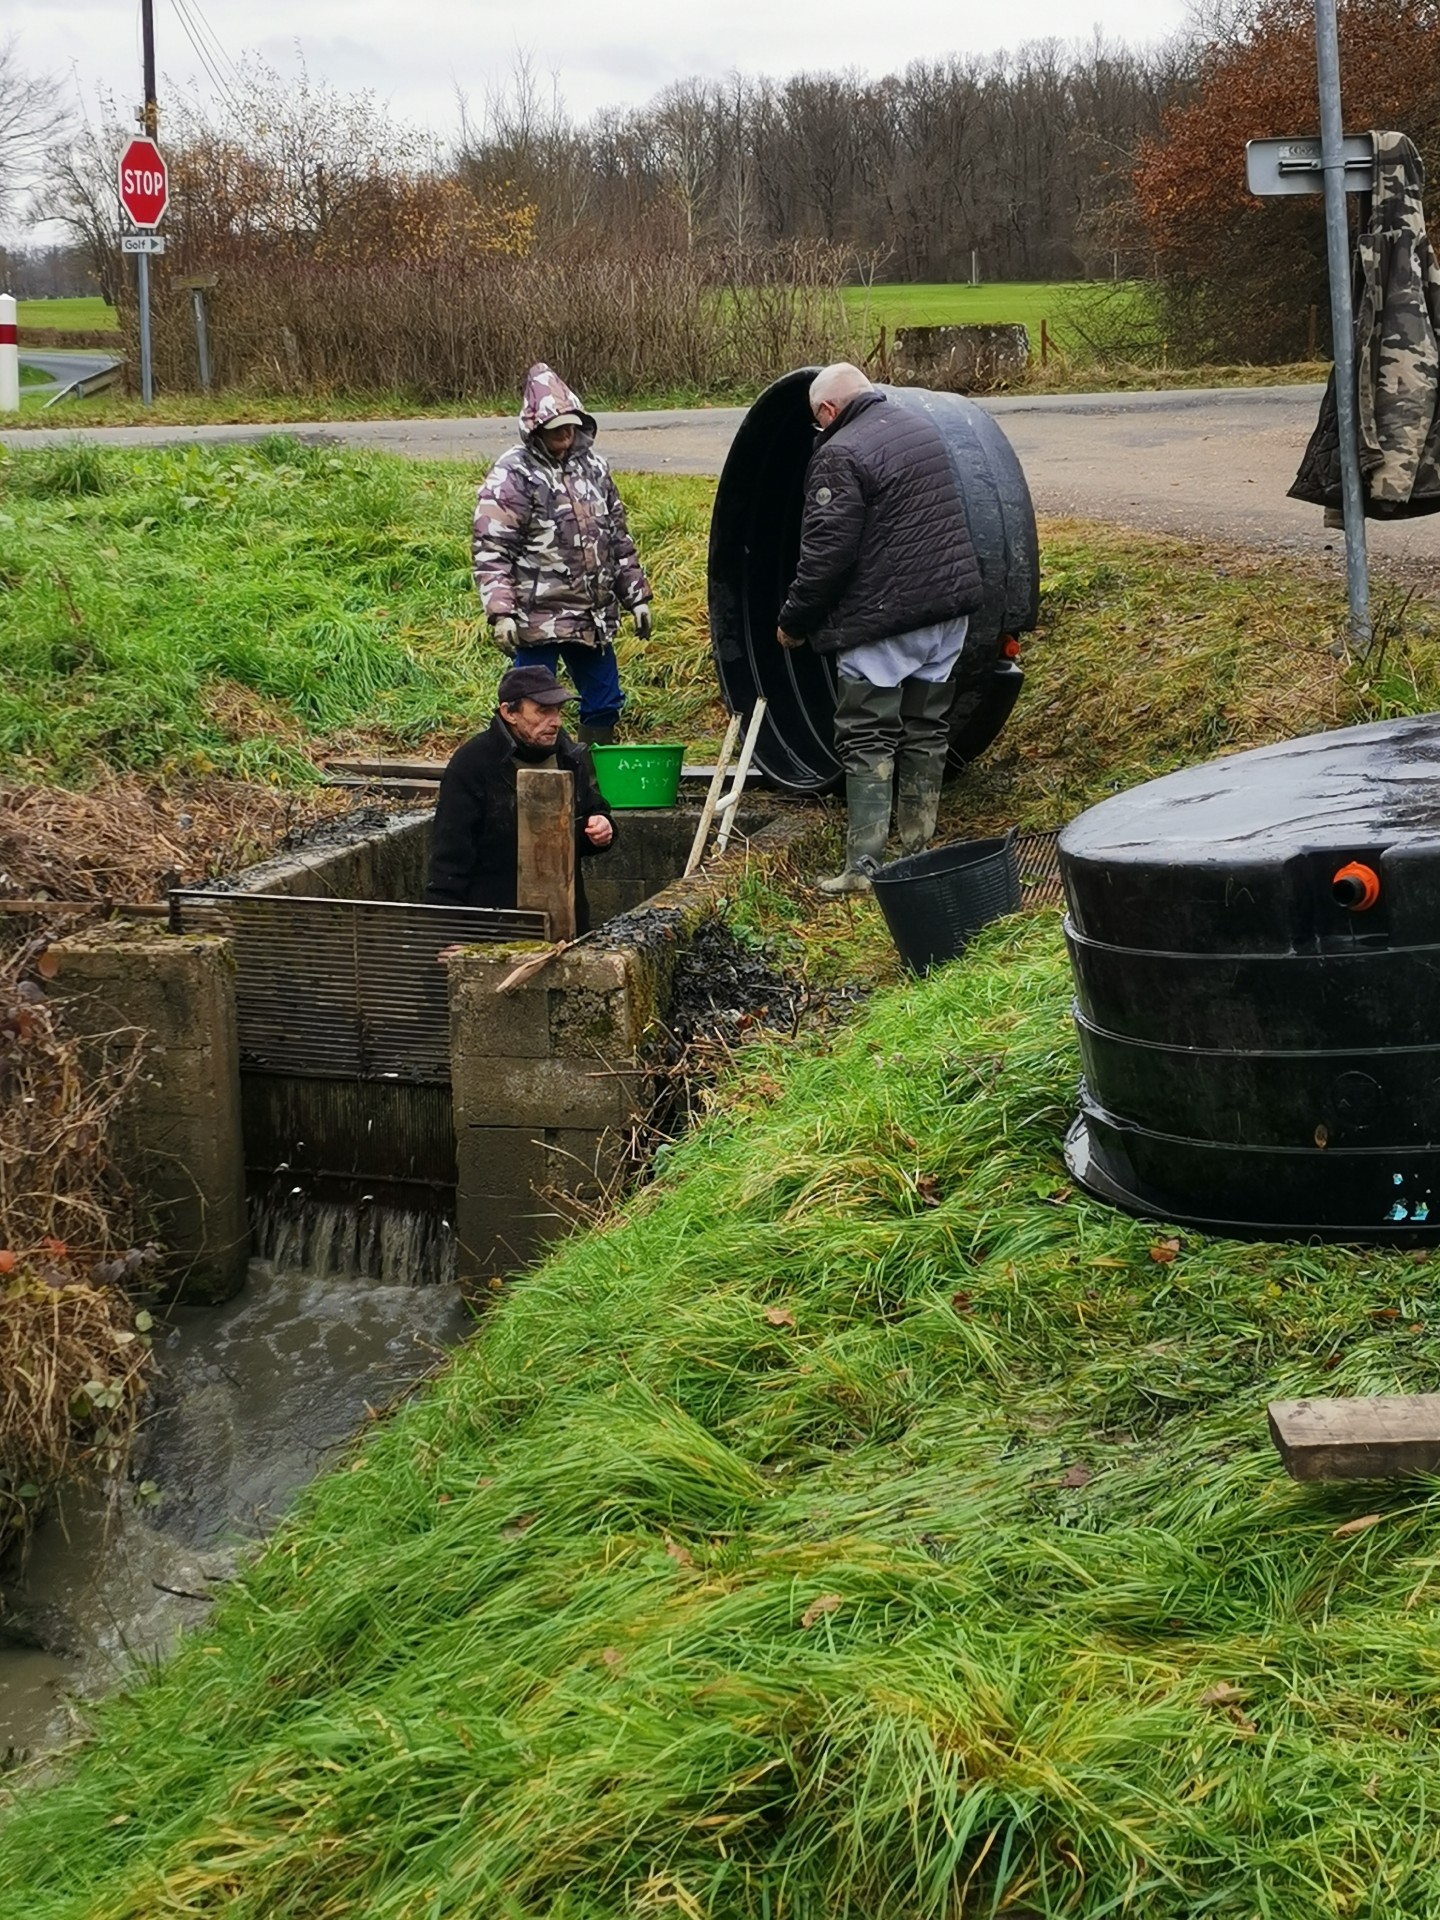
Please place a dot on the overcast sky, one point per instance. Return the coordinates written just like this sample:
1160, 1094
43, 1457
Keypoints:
603, 52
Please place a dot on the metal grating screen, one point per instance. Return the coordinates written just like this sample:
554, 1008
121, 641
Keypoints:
344, 989
1038, 857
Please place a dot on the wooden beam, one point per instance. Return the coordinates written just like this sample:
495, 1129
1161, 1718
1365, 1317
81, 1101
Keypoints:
545, 850
1371, 1439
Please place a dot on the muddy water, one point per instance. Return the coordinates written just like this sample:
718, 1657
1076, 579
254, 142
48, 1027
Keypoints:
256, 1395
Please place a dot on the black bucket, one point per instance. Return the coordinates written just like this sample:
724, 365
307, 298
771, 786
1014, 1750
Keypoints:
754, 544
933, 902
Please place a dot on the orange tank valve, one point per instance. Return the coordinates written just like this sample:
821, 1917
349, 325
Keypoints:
1009, 647
1356, 886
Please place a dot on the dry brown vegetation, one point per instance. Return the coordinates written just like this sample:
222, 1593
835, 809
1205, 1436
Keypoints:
74, 1360
122, 837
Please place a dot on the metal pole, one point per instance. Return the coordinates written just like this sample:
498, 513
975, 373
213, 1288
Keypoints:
202, 337
147, 384
147, 45
1342, 320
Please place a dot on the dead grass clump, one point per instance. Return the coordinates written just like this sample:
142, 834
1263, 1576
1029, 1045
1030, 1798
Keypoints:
73, 1358
121, 838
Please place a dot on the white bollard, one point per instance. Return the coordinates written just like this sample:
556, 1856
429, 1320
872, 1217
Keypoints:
9, 355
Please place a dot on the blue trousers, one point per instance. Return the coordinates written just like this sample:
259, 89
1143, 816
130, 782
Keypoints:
594, 671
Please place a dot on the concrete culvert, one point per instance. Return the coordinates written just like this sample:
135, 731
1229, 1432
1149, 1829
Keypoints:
754, 541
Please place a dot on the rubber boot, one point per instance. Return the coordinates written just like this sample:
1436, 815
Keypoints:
916, 805
867, 822
588, 736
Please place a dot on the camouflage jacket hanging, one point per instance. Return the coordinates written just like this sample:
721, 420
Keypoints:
1397, 354
551, 545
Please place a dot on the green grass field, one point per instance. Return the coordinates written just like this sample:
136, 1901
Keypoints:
1025, 303
89, 314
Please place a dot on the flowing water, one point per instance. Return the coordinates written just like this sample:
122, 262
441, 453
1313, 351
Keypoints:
256, 1395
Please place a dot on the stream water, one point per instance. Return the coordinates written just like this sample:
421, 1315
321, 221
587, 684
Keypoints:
256, 1394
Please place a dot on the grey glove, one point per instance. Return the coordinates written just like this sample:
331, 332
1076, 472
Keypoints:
506, 635
643, 620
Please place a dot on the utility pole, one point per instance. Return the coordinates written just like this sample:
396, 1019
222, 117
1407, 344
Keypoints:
1342, 322
150, 113
150, 120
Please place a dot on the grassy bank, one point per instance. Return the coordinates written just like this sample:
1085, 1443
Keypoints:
866, 1524
197, 611
190, 611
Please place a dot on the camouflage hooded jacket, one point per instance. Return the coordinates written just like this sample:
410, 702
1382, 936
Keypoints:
551, 545
1397, 354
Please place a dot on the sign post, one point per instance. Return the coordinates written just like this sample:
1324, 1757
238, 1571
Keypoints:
144, 196
9, 355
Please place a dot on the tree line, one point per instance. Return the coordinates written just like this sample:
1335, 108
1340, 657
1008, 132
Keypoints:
1056, 161
1017, 159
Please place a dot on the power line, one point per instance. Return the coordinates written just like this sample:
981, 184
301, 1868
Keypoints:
216, 78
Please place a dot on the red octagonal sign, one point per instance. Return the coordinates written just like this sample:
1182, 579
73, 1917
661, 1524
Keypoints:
144, 183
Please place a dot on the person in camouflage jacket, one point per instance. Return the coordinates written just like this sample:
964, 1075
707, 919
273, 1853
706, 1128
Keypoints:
1397, 356
553, 559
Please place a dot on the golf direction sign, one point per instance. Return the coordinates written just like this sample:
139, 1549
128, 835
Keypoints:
144, 184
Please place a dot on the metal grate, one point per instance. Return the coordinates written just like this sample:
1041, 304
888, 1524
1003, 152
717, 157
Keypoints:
1038, 857
344, 989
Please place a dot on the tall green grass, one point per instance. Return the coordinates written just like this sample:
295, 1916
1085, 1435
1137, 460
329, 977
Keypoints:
866, 1524
199, 609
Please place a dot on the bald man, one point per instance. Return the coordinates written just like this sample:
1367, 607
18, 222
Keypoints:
886, 580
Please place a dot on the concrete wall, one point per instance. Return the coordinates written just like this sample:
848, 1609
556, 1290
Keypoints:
547, 1082
179, 1139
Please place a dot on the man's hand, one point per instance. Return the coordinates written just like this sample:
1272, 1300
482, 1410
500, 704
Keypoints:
506, 635
598, 830
788, 640
643, 619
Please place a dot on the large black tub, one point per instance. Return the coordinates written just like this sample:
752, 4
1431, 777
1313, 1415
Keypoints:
1256, 950
754, 540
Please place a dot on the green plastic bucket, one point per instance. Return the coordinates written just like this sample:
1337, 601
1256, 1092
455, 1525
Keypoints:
638, 776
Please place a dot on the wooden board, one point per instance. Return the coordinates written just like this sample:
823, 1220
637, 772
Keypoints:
431, 770
545, 853
1371, 1439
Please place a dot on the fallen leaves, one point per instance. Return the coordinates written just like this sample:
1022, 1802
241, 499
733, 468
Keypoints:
927, 1185
817, 1609
682, 1556
1361, 1525
1164, 1251
780, 1316
1077, 1476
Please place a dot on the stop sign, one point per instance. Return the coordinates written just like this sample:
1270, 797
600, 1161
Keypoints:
144, 183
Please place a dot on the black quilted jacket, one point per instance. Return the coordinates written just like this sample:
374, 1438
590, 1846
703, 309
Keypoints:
884, 545
474, 840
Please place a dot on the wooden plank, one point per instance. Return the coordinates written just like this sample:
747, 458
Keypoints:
545, 851
1371, 1439
431, 770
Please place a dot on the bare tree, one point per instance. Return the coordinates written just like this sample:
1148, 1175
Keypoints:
33, 116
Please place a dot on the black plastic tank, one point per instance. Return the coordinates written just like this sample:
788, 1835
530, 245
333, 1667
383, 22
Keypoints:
754, 541
1256, 951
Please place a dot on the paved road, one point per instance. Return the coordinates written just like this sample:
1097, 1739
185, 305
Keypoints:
1203, 462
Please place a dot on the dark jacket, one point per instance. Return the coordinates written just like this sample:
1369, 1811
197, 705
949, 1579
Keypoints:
1397, 360
885, 545
473, 842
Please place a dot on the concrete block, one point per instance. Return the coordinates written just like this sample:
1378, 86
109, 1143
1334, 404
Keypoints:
485, 1024
550, 1093
500, 1162
179, 1139
586, 1025
501, 1215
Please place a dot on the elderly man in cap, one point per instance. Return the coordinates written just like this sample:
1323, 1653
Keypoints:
553, 559
475, 837
886, 580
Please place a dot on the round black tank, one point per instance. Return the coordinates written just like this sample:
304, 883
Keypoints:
1256, 951
754, 541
